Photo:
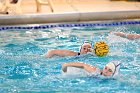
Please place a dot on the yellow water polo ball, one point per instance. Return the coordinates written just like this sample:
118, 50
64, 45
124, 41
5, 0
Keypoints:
101, 48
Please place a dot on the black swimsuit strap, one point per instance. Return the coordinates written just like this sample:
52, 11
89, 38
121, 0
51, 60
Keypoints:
101, 73
78, 53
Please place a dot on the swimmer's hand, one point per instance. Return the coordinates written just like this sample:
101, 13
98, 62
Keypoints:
91, 50
64, 68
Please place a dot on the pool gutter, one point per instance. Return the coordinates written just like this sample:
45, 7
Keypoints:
67, 17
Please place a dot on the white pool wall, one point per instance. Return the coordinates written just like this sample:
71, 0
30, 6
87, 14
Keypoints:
67, 17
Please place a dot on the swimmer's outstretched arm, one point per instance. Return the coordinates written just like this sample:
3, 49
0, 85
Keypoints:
87, 67
129, 36
52, 53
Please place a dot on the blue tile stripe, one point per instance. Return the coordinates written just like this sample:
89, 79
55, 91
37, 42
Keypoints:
68, 25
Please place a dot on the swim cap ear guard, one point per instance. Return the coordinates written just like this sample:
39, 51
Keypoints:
117, 68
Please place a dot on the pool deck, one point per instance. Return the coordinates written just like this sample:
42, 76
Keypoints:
72, 11
62, 6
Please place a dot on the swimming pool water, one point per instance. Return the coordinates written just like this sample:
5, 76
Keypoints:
24, 69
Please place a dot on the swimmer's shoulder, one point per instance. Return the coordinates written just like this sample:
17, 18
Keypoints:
95, 73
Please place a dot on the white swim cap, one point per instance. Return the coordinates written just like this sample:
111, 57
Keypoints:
111, 66
115, 67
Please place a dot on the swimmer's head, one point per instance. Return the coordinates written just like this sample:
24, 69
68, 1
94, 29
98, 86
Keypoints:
111, 69
85, 48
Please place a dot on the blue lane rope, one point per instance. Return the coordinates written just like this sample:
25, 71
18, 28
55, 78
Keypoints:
68, 25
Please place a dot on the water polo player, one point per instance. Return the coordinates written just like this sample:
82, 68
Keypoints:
111, 69
85, 48
100, 49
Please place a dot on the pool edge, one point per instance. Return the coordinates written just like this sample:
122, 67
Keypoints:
67, 17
